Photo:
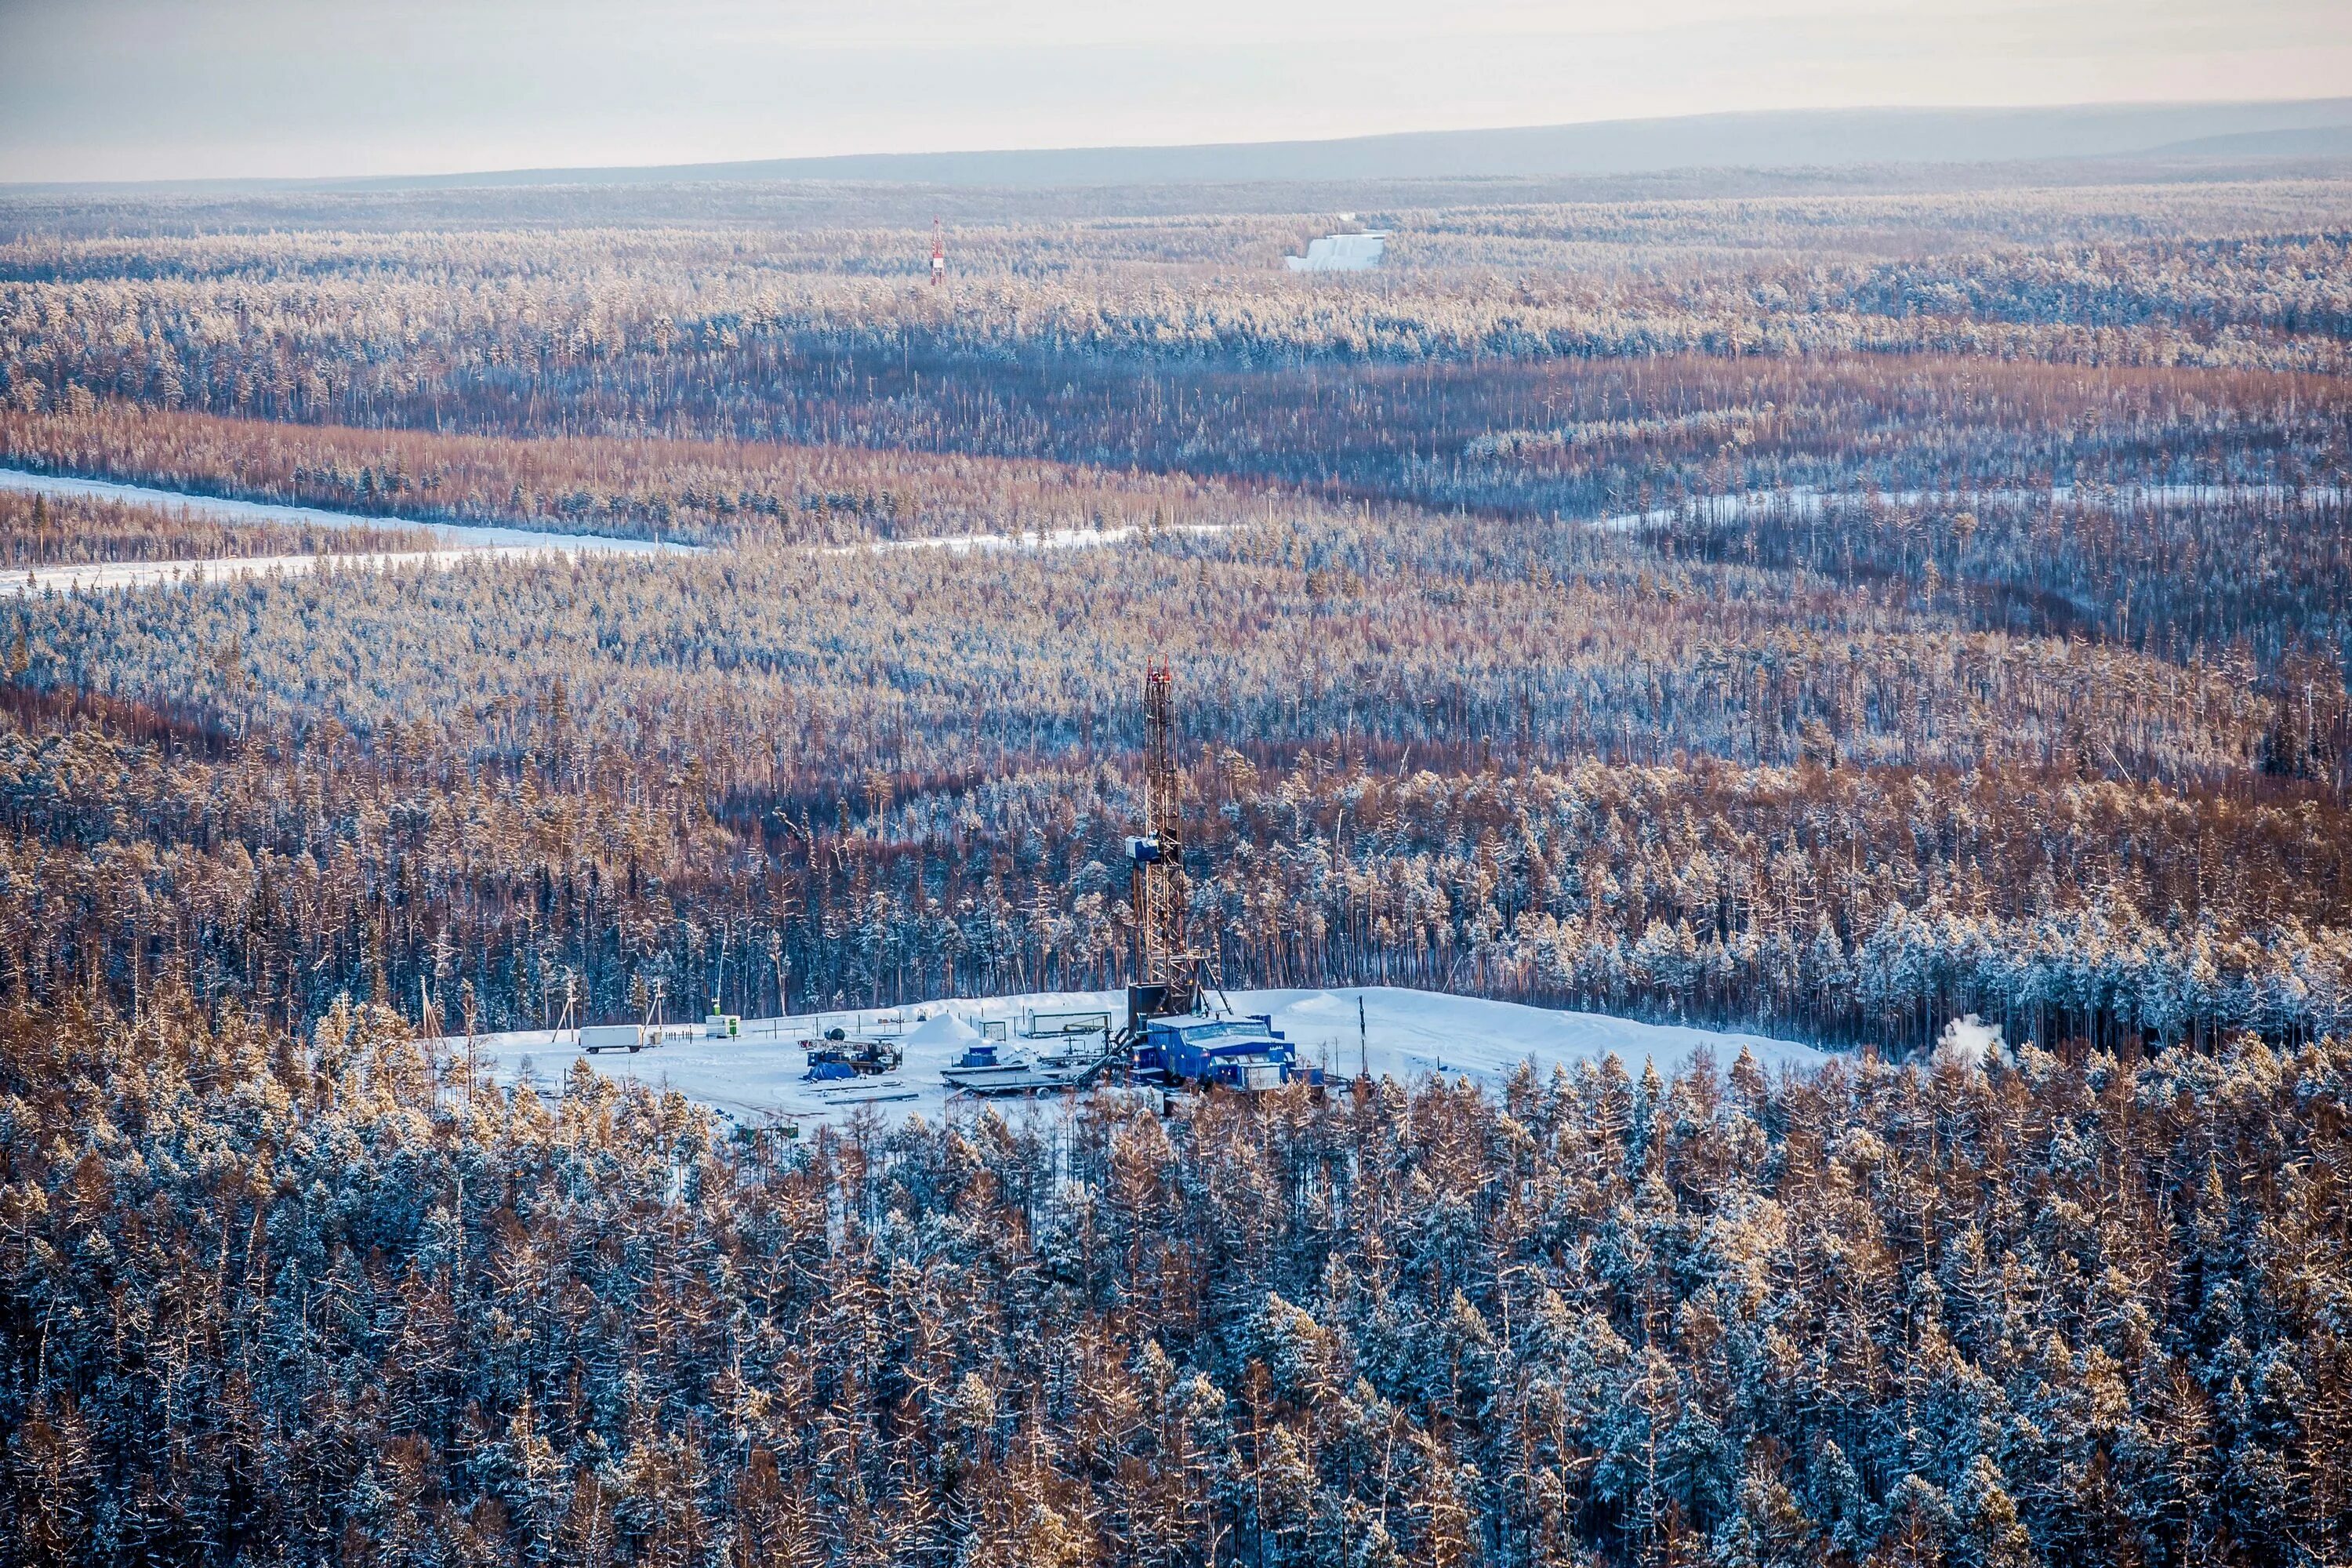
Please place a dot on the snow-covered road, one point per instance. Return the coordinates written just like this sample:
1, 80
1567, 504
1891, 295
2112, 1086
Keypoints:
452, 543
1046, 538
443, 544
105, 576
1807, 501
1407, 1034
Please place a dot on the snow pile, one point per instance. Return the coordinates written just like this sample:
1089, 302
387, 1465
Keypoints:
941, 1029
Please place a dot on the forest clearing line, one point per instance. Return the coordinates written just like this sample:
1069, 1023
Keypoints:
453, 536
124, 575
1045, 539
453, 542
1810, 500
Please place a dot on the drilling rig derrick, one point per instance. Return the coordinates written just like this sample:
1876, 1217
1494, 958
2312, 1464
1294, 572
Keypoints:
1168, 975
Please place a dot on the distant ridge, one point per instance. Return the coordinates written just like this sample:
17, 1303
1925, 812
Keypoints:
1777, 139
2304, 142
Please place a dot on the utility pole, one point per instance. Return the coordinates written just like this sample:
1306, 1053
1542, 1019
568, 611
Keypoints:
465, 1004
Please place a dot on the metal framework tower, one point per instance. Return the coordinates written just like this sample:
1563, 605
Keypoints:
1164, 964
938, 256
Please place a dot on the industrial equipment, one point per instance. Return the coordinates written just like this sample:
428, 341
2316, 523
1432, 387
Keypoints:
1207, 1051
987, 1068
853, 1054
1169, 978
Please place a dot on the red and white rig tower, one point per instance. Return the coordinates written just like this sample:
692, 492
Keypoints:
938, 256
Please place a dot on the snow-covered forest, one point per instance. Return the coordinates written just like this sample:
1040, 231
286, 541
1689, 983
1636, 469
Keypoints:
43, 530
1830, 614
272, 1301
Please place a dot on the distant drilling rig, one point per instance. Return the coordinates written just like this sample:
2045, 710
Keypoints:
1171, 1037
1168, 975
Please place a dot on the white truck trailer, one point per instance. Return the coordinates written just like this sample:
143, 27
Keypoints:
597, 1038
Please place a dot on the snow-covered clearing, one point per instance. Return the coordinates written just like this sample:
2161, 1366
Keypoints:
1046, 538
223, 509
451, 543
455, 542
445, 543
1805, 500
1407, 1034
99, 577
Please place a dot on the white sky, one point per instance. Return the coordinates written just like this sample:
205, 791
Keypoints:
168, 88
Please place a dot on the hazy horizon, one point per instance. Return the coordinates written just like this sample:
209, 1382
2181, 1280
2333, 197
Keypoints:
160, 90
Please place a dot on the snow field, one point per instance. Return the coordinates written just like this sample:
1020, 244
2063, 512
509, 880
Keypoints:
1407, 1034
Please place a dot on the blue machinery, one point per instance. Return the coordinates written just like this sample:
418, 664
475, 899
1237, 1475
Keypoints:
1169, 1034
1239, 1053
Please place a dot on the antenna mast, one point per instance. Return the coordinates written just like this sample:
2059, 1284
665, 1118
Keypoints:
938, 256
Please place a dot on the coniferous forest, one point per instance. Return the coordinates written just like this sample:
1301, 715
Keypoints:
1823, 608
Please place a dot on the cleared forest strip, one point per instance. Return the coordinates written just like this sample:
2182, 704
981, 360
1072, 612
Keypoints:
1810, 502
449, 542
439, 544
99, 577
646, 489
1039, 539
443, 535
110, 577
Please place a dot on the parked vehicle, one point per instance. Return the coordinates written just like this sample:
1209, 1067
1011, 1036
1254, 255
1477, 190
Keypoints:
598, 1037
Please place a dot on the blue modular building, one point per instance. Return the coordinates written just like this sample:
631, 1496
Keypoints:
1246, 1053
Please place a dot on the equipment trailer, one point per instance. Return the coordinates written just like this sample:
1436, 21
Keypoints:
838, 1053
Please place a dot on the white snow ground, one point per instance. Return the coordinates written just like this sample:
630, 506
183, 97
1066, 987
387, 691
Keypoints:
1408, 1034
